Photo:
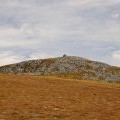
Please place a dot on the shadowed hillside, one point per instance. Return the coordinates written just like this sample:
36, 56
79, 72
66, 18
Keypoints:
66, 66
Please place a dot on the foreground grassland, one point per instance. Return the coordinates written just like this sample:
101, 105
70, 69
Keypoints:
25, 97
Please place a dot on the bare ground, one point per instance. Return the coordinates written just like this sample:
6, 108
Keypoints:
25, 97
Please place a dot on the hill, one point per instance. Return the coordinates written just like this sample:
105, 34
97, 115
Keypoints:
25, 97
66, 66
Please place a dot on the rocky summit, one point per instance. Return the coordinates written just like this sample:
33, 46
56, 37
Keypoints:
66, 66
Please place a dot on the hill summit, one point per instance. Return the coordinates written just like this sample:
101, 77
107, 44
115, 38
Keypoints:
66, 66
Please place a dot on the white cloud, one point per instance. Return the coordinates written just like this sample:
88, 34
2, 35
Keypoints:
39, 55
116, 15
9, 58
58, 25
116, 55
92, 3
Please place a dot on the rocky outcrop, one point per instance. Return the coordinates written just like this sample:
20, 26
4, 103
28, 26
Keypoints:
67, 66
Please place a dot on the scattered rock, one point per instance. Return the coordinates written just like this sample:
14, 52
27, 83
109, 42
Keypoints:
66, 66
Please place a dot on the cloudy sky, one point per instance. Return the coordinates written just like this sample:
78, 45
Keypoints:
31, 29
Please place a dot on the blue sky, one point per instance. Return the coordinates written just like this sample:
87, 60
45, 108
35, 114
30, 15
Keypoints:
31, 29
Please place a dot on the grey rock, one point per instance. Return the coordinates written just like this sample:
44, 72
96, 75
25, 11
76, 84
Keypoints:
76, 67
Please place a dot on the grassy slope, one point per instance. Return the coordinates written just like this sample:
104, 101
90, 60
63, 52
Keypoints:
50, 98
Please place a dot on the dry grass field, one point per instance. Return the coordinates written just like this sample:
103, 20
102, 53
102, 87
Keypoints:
24, 97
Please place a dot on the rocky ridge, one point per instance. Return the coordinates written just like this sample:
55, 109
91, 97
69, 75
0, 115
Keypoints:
66, 66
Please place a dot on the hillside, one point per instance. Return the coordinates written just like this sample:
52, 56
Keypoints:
25, 97
66, 66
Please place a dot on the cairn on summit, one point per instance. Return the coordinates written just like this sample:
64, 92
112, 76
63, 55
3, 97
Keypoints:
64, 55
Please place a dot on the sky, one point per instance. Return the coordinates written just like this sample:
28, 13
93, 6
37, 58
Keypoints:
35, 29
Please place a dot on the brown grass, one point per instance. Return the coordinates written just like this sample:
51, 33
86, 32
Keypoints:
24, 97
47, 62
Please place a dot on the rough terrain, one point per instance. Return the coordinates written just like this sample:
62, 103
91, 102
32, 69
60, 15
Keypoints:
24, 97
66, 66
